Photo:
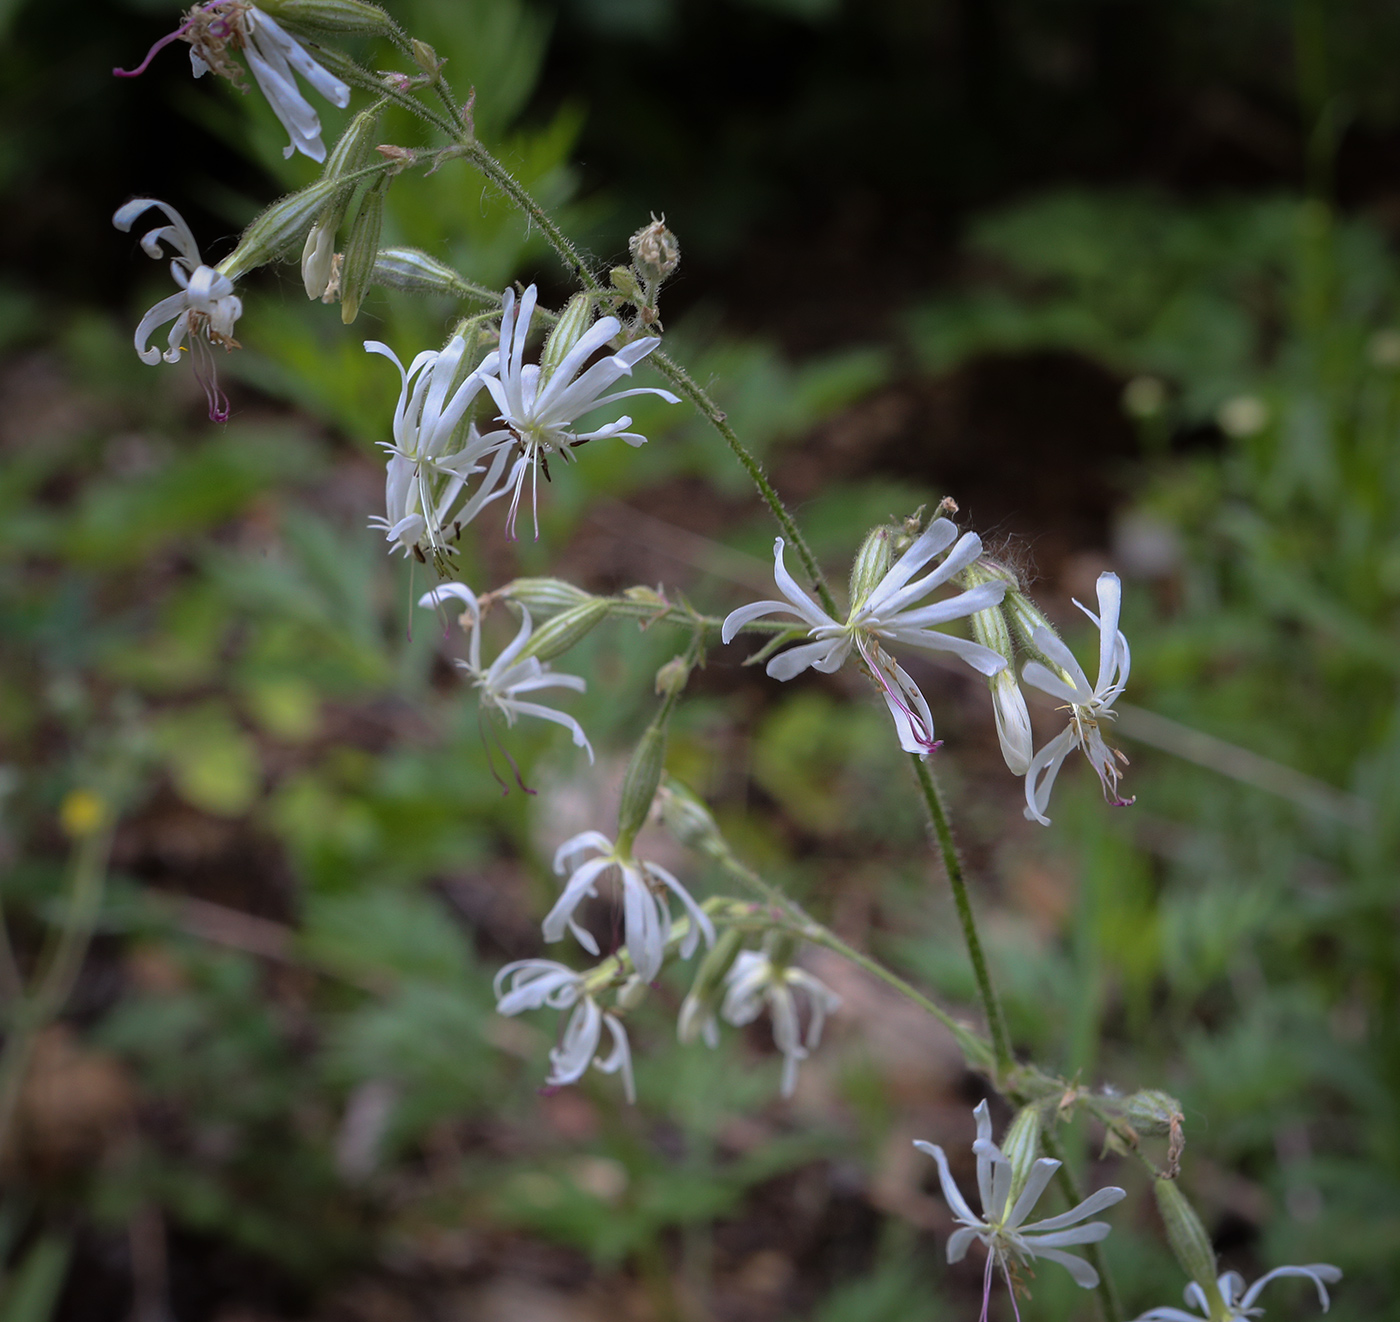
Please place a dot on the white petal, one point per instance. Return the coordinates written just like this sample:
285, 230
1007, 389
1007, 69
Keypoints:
788, 665
1084, 1275
1041, 1174
952, 1195
1095, 1202
736, 619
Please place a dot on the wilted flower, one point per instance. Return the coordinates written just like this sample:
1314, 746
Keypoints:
501, 684
887, 614
754, 981
1001, 1228
203, 312
433, 455
646, 912
1087, 706
539, 408
541, 983
214, 30
1240, 1302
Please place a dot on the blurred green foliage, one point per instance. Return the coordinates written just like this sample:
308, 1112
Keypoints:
217, 590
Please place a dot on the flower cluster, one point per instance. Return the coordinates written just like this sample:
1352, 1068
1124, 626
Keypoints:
889, 609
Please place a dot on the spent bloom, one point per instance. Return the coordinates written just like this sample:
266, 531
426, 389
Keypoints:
543, 984
274, 56
755, 980
433, 454
646, 910
888, 614
502, 684
1239, 1302
539, 407
1002, 1228
1087, 706
204, 310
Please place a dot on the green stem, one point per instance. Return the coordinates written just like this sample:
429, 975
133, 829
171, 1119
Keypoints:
1107, 1292
952, 864
518, 194
687, 385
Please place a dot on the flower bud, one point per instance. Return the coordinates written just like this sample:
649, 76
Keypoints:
655, 251
567, 628
672, 678
702, 1002
361, 249
780, 947
544, 597
872, 563
269, 236
413, 272
331, 15
318, 256
1021, 1146
575, 319
426, 58
640, 782
625, 282
1152, 1112
1188, 1238
690, 821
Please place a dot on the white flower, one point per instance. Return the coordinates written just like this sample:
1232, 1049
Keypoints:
1087, 706
539, 413
1001, 1228
754, 981
541, 983
1240, 1302
426, 474
501, 684
888, 614
203, 312
646, 913
274, 56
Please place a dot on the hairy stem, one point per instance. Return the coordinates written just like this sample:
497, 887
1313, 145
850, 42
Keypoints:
520, 196
1107, 1292
952, 863
690, 388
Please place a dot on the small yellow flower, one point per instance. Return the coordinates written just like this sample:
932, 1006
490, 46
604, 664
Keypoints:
82, 812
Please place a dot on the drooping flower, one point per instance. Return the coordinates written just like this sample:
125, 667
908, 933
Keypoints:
1002, 1227
502, 684
275, 57
1240, 1302
1087, 706
541, 983
755, 981
646, 911
433, 454
538, 409
889, 614
203, 311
